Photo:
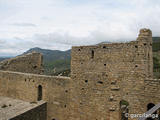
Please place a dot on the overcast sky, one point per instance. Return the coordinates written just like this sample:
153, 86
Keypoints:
60, 24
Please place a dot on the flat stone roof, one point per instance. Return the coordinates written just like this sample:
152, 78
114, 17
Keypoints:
10, 107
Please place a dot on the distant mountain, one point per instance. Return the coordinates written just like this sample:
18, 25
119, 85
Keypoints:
4, 58
156, 39
156, 44
55, 62
104, 43
51, 55
1, 59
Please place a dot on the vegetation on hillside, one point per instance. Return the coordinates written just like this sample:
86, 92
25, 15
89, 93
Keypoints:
156, 57
55, 62
156, 44
58, 67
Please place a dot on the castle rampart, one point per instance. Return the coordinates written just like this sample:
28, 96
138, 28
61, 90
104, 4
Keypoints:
32, 88
106, 80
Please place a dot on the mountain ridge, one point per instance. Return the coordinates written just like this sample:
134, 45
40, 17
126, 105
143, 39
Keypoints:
55, 62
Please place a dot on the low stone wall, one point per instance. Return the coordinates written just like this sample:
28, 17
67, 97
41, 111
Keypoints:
54, 90
37, 113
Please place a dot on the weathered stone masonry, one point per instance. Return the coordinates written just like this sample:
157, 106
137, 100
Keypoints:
24, 86
102, 76
29, 63
105, 74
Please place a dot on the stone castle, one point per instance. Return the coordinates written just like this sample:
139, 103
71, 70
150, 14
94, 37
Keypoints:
107, 80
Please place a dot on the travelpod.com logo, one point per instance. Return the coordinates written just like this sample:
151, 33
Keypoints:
153, 116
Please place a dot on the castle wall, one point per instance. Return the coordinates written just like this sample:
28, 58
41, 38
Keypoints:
29, 63
105, 74
36, 113
101, 77
55, 91
152, 91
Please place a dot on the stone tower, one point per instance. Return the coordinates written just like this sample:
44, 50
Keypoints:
145, 39
104, 75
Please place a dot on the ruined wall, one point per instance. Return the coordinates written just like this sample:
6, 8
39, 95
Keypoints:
151, 91
29, 63
145, 40
36, 113
101, 77
55, 91
105, 74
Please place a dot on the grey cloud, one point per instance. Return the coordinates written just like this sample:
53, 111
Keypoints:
2, 41
14, 46
17, 45
24, 24
113, 24
94, 37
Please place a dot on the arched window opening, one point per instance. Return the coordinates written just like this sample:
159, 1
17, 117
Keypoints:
150, 105
124, 109
92, 54
39, 93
